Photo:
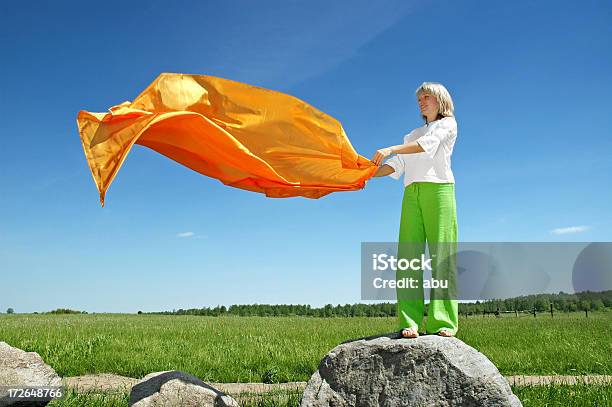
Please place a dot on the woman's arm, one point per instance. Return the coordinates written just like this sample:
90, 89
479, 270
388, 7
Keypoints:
408, 148
384, 171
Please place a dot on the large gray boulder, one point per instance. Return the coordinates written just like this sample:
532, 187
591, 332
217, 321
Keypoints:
389, 371
19, 369
174, 388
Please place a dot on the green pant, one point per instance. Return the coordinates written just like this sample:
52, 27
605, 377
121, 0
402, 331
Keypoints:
429, 215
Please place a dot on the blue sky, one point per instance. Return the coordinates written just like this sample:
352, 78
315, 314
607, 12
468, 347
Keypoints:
531, 86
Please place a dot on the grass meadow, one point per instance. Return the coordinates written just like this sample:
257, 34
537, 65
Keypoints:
282, 349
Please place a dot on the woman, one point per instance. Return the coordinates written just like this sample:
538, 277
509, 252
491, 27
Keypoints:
428, 211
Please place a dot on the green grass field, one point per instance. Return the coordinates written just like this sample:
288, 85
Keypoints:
281, 349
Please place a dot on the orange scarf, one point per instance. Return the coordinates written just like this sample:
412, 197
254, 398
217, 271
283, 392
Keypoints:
245, 136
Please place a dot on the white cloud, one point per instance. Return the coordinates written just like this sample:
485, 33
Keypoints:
570, 229
191, 235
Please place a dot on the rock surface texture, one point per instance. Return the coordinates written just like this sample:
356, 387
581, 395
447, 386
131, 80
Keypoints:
389, 371
21, 369
174, 388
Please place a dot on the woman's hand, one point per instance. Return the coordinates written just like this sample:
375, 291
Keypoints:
381, 155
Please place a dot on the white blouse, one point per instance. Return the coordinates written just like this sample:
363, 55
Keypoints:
433, 164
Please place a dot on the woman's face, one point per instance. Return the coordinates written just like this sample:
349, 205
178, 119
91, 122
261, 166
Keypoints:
429, 106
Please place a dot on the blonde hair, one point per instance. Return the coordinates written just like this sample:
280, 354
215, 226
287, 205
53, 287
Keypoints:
444, 99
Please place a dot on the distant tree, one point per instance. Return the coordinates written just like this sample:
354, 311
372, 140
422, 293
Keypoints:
584, 305
541, 304
64, 311
10, 311
596, 305
328, 310
139, 312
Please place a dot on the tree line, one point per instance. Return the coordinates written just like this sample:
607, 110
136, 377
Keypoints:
561, 302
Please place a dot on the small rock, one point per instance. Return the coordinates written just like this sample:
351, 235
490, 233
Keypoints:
174, 388
391, 371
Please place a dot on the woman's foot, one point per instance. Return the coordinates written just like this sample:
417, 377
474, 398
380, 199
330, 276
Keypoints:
410, 333
445, 332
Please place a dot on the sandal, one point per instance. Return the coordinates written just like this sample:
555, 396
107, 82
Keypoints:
410, 333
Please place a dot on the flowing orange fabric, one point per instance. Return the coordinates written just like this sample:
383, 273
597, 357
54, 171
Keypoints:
245, 136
